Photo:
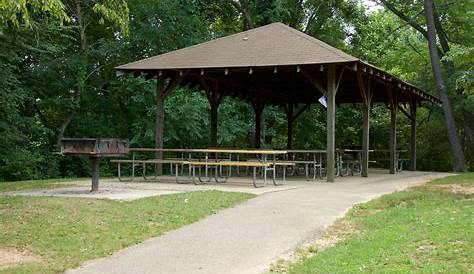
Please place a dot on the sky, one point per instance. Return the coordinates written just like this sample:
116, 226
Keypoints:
371, 5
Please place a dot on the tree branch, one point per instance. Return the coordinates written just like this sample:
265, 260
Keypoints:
241, 6
405, 18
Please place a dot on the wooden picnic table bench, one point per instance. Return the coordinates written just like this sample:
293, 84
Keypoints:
264, 153
253, 164
143, 162
199, 164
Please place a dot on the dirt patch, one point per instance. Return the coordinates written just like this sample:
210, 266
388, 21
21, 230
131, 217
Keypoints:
367, 212
335, 233
12, 256
425, 248
457, 189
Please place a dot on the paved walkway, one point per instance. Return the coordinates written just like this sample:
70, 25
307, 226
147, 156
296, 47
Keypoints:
249, 237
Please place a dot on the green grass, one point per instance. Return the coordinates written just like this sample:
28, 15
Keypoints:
35, 184
421, 230
466, 179
65, 232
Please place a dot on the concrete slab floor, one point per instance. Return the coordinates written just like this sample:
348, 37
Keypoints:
163, 185
116, 190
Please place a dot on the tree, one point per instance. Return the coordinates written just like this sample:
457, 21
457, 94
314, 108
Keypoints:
458, 154
438, 54
85, 13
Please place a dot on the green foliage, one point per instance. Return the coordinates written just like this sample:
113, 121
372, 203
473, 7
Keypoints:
58, 63
113, 11
20, 12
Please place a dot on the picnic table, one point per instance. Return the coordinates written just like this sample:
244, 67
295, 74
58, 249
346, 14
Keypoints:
398, 160
209, 162
314, 161
352, 166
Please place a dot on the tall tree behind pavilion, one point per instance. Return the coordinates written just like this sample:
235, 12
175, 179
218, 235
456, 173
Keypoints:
456, 148
411, 17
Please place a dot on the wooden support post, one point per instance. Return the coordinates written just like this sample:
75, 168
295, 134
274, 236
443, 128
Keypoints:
163, 90
214, 99
214, 109
366, 95
413, 135
258, 109
393, 140
95, 174
393, 104
331, 122
365, 140
289, 116
160, 120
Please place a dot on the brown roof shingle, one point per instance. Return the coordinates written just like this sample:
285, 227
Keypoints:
271, 45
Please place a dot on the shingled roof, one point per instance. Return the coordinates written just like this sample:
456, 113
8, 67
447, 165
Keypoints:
273, 45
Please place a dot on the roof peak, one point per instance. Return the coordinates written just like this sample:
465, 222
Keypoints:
274, 44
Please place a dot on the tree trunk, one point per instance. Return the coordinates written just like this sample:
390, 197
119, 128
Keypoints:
63, 127
447, 63
82, 30
77, 92
242, 6
456, 149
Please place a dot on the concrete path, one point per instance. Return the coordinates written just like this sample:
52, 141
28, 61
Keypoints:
249, 237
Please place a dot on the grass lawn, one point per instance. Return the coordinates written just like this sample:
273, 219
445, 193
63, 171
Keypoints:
64, 232
426, 229
35, 184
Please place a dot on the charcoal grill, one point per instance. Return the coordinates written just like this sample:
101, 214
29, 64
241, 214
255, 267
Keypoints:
95, 149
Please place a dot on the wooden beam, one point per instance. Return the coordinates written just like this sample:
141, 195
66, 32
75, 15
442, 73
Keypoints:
163, 90
405, 112
362, 88
393, 105
339, 78
174, 82
291, 117
258, 107
365, 140
367, 97
413, 134
245, 91
159, 119
300, 111
307, 74
331, 122
214, 98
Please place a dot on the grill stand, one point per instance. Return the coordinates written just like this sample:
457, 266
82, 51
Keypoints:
94, 149
95, 173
